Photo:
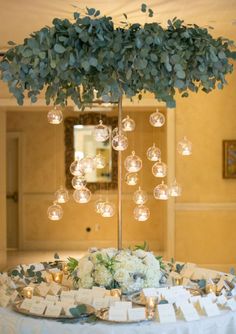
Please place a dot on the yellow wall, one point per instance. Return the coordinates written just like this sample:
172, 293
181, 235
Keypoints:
206, 212
43, 172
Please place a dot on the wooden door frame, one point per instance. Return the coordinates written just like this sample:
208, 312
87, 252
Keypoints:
20, 137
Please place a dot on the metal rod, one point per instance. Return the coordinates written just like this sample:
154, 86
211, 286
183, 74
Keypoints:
119, 213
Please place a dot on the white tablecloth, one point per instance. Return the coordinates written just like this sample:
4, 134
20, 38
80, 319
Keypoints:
13, 323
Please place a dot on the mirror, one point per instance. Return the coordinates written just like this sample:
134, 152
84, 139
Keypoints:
79, 143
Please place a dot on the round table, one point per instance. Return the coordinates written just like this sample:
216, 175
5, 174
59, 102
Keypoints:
14, 323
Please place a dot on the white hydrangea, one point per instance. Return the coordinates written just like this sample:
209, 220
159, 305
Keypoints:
131, 270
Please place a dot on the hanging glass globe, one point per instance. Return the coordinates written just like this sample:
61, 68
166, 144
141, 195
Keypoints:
141, 213
76, 168
55, 212
82, 195
175, 189
140, 196
99, 161
107, 210
131, 179
128, 124
161, 191
157, 119
88, 164
101, 132
153, 153
55, 116
115, 132
120, 142
62, 195
78, 182
184, 147
98, 205
159, 169
133, 163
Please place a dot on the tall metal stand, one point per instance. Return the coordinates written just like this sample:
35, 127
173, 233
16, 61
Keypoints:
119, 212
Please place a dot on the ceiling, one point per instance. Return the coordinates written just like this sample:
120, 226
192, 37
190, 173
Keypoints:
21, 17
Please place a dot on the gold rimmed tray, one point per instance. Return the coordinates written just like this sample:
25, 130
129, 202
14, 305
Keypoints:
104, 315
89, 311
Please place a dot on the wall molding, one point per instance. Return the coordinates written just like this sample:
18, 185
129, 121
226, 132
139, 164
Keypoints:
205, 206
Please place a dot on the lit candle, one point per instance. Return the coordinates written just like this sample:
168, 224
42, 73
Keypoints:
178, 281
115, 293
57, 277
210, 288
151, 303
28, 292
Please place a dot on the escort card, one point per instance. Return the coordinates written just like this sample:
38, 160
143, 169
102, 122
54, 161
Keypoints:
189, 312
53, 310
166, 313
68, 299
51, 298
43, 289
4, 300
14, 295
26, 304
112, 300
37, 299
221, 300
98, 292
194, 299
84, 292
136, 314
231, 303
38, 308
123, 305
211, 309
212, 296
150, 292
100, 302
84, 299
117, 313
54, 288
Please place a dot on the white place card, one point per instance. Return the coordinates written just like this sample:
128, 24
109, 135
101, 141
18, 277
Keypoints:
166, 313
14, 295
211, 309
179, 302
84, 292
43, 289
194, 299
53, 310
68, 299
51, 298
37, 299
98, 292
136, 314
4, 300
26, 304
54, 288
221, 300
84, 299
117, 313
37, 308
231, 303
100, 302
123, 305
150, 292
189, 312
113, 300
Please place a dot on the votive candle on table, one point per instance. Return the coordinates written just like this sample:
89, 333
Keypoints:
57, 276
28, 292
211, 287
151, 303
116, 293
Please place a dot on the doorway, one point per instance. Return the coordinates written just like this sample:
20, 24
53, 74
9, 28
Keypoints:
13, 189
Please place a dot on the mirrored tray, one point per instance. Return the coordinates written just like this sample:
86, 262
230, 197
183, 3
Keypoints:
16, 308
103, 315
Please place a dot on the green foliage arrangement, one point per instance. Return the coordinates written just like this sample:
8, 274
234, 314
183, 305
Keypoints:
73, 60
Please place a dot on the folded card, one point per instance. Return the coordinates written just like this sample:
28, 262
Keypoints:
117, 314
166, 313
100, 302
4, 300
136, 314
211, 309
189, 312
43, 289
221, 300
54, 288
98, 292
38, 308
150, 292
231, 303
26, 304
84, 299
123, 305
53, 310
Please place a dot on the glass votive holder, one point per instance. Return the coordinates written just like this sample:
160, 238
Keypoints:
57, 276
211, 287
177, 281
151, 305
116, 293
28, 292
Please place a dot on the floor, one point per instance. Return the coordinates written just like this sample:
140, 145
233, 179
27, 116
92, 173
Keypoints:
27, 257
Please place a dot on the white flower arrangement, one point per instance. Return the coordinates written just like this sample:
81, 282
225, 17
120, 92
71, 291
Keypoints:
111, 268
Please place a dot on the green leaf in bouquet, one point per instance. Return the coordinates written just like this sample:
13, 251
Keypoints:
78, 311
202, 283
